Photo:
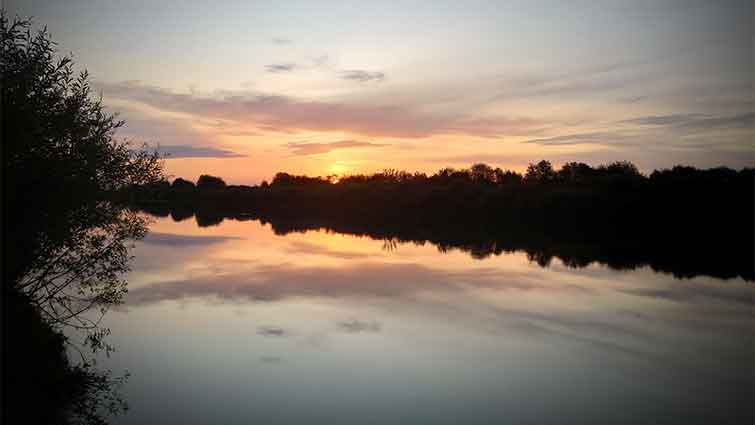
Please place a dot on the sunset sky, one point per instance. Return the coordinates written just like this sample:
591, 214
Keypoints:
245, 89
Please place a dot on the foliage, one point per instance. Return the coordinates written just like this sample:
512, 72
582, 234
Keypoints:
674, 215
68, 277
59, 147
207, 182
182, 185
62, 163
542, 172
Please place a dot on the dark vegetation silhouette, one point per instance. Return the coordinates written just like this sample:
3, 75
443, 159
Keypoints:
682, 220
66, 242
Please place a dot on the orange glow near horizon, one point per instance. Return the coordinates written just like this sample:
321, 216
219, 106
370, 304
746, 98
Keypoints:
437, 89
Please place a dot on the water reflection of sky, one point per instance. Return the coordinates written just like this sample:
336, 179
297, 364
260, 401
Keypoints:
233, 324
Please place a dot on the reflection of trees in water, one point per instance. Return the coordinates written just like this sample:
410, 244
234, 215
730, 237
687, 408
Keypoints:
71, 280
390, 244
543, 259
71, 276
662, 254
68, 246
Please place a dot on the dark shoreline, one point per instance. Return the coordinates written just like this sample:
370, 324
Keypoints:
683, 221
682, 260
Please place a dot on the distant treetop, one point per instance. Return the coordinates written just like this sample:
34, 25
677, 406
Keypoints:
208, 182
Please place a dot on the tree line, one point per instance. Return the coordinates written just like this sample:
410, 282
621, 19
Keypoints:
617, 173
682, 216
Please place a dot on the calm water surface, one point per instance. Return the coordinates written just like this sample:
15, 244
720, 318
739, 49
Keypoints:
232, 324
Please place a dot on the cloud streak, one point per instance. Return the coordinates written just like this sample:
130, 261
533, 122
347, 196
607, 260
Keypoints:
307, 248
359, 326
292, 115
278, 68
665, 129
303, 149
699, 122
673, 119
187, 151
362, 76
277, 282
176, 240
581, 138
271, 331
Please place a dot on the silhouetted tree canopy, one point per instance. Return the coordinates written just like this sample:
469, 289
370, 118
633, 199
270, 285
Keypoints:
678, 214
542, 172
482, 173
59, 145
575, 172
285, 179
61, 164
507, 177
182, 185
207, 182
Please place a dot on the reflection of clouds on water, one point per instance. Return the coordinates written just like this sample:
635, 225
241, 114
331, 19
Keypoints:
358, 326
696, 293
176, 240
598, 330
159, 251
495, 300
272, 331
301, 247
276, 282
322, 304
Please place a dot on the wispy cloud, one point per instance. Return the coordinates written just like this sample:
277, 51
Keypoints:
307, 248
357, 326
694, 293
697, 122
320, 61
176, 240
632, 99
656, 129
276, 282
277, 68
271, 331
603, 78
187, 151
320, 148
673, 119
581, 138
362, 76
731, 121
257, 111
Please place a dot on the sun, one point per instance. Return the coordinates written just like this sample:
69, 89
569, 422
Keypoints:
338, 168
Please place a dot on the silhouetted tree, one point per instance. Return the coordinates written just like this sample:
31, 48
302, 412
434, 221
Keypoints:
61, 165
507, 177
181, 185
285, 179
482, 173
542, 172
208, 217
207, 182
575, 172
181, 212
620, 169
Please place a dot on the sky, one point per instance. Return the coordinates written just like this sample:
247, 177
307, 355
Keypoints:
245, 89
